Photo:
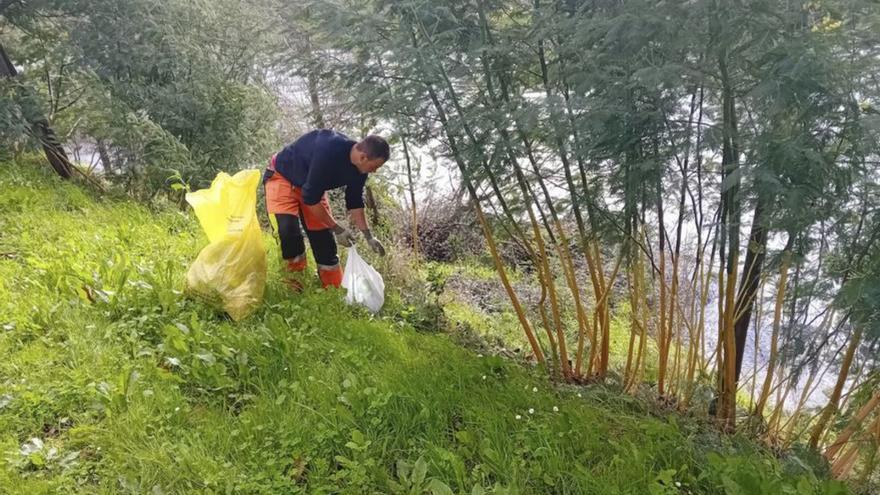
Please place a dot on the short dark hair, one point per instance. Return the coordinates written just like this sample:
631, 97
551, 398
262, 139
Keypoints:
375, 147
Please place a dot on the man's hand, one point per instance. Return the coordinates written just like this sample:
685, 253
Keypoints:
374, 243
377, 246
343, 236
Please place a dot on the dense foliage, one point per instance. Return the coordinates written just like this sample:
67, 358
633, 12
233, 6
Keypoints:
702, 172
720, 159
146, 89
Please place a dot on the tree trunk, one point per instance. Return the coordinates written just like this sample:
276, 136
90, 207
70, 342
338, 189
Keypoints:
104, 155
751, 276
730, 240
39, 126
372, 206
412, 196
6, 67
314, 99
312, 79
662, 338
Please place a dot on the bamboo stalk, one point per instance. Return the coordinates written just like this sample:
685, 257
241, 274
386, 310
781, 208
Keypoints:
844, 464
774, 338
729, 381
630, 349
487, 232
757, 332
793, 418
567, 266
773, 430
853, 425
830, 409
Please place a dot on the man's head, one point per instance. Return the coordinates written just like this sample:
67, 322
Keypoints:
370, 154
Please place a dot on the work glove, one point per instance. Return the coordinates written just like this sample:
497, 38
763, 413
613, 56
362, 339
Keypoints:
343, 236
374, 243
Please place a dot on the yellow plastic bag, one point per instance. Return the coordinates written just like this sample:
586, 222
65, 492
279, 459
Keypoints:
230, 272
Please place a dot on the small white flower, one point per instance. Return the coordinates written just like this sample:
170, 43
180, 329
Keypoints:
678, 484
176, 409
479, 355
518, 416
484, 377
531, 410
534, 389
555, 409
579, 394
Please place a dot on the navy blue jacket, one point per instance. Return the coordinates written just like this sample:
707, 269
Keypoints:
319, 161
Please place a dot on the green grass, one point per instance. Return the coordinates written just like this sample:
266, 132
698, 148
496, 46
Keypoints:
112, 382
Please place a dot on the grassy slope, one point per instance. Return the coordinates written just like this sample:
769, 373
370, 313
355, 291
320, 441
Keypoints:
131, 388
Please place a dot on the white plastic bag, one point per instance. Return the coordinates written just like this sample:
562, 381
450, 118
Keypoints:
364, 284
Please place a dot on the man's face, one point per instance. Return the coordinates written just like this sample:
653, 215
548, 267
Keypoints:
365, 164
374, 164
